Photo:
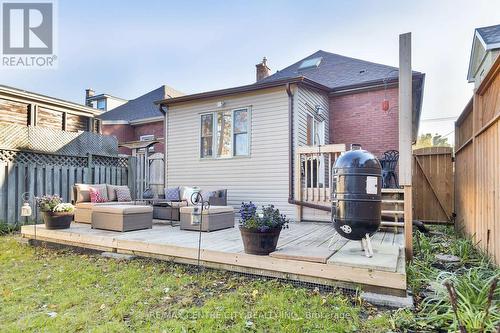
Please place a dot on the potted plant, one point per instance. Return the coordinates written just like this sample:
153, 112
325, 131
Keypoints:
56, 214
260, 231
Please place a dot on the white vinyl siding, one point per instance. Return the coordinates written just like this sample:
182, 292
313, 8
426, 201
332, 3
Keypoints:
305, 102
260, 177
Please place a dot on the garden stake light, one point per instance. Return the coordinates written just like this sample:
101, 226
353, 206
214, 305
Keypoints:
26, 210
197, 218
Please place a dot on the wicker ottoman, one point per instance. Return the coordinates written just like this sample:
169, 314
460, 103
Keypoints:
215, 218
122, 217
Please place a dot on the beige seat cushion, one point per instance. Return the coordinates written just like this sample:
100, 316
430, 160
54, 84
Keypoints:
82, 193
211, 210
90, 205
122, 209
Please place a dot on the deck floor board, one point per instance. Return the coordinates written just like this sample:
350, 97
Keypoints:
303, 251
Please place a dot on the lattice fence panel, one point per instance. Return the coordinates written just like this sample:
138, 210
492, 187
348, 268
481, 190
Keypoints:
49, 140
23, 157
120, 162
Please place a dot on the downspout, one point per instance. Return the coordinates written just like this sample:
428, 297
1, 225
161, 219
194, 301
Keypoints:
164, 110
291, 199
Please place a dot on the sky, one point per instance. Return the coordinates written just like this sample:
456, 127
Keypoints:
127, 48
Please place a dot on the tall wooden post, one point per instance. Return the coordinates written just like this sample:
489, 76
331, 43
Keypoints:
405, 136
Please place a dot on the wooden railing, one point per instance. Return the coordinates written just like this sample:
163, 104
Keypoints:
313, 172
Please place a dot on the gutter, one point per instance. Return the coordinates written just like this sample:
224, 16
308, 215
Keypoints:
243, 89
291, 199
147, 120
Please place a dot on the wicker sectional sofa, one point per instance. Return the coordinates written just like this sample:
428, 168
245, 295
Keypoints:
83, 206
171, 210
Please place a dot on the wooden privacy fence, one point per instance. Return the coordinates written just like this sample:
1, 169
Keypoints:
40, 173
433, 184
477, 163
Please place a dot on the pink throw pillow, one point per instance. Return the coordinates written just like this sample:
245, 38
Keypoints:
96, 196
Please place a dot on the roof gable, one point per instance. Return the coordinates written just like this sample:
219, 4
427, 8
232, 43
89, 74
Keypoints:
142, 107
485, 39
490, 36
336, 71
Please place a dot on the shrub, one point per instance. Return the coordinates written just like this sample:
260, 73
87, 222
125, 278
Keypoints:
472, 289
8, 228
53, 203
269, 218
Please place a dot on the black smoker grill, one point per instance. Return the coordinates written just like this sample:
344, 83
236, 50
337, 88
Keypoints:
356, 196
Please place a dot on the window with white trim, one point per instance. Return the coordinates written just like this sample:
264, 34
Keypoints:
315, 131
225, 134
148, 137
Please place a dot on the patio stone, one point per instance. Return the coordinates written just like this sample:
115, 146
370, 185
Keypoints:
385, 257
388, 300
118, 256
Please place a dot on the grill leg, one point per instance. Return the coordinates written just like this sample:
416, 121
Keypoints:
367, 246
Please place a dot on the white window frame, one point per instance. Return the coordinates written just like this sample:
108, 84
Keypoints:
317, 124
103, 100
215, 137
320, 125
148, 137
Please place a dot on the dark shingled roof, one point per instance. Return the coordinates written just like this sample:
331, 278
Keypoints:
490, 35
337, 71
142, 107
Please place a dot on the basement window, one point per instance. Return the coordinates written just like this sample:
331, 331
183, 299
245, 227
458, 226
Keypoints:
310, 63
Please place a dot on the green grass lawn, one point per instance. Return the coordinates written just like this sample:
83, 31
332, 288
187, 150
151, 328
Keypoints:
59, 290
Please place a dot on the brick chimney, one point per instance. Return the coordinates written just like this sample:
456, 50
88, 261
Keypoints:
89, 93
262, 70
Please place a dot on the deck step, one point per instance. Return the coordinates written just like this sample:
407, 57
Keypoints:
398, 212
392, 224
393, 201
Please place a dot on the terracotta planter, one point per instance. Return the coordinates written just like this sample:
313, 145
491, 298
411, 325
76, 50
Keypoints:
57, 220
260, 243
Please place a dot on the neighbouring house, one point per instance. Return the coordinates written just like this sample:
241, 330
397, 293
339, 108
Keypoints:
35, 122
245, 138
104, 102
25, 108
485, 49
47, 145
138, 119
477, 147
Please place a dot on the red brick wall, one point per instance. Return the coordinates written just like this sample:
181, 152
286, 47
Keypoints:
358, 118
131, 133
151, 128
122, 132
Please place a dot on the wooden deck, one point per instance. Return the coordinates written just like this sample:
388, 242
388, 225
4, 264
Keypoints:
302, 254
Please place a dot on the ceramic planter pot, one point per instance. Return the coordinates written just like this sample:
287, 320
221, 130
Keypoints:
57, 220
260, 243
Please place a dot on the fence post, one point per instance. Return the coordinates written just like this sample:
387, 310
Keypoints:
89, 160
88, 174
131, 177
